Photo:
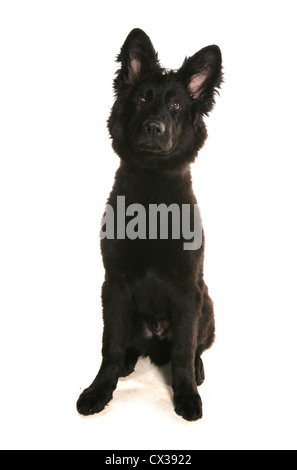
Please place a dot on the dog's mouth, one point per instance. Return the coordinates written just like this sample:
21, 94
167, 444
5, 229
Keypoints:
155, 146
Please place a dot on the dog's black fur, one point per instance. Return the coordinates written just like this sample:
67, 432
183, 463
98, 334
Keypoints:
155, 301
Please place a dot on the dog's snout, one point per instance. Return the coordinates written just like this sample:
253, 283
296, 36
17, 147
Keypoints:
154, 128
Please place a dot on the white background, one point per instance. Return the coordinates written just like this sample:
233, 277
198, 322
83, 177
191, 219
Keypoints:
56, 171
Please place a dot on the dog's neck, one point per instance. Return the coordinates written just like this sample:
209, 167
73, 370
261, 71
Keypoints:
182, 171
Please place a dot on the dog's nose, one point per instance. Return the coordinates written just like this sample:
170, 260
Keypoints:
154, 128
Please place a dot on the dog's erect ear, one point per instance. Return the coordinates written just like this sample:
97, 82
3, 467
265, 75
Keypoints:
137, 57
202, 75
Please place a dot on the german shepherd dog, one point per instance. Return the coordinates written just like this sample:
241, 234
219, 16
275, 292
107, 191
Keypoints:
155, 301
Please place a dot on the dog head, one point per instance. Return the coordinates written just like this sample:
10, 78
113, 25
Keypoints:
157, 118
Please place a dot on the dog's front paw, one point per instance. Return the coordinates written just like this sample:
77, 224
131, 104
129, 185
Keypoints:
93, 400
189, 406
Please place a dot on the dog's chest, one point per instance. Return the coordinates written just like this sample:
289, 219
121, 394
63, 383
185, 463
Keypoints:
140, 240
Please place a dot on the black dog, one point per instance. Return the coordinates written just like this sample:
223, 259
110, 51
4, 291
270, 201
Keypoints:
155, 301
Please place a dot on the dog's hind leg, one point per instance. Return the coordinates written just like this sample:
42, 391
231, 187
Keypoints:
206, 334
117, 310
199, 370
131, 359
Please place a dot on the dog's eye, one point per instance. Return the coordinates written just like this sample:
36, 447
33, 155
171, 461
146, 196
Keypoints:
175, 104
140, 99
